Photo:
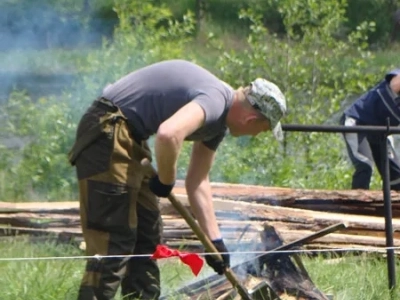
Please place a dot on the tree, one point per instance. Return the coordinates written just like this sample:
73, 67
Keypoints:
200, 10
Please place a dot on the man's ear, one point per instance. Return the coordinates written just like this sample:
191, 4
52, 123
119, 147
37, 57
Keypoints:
250, 118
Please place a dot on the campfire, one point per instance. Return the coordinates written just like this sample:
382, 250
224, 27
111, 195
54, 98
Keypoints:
272, 275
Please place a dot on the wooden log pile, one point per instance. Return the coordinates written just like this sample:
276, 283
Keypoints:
241, 210
360, 202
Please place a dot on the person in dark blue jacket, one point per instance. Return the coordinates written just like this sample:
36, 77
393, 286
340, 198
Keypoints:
373, 108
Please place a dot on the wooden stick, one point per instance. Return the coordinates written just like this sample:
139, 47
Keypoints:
311, 237
208, 245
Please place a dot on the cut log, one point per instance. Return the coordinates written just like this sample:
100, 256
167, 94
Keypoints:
243, 211
7, 231
368, 202
69, 207
39, 220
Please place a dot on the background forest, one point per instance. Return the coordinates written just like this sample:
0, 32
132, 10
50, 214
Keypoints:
56, 56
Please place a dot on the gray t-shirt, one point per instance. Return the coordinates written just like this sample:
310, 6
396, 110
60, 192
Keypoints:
150, 95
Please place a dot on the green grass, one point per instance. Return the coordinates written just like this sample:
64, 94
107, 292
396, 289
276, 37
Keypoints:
350, 278
58, 279
38, 279
388, 56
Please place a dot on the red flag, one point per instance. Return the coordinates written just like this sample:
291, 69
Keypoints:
194, 261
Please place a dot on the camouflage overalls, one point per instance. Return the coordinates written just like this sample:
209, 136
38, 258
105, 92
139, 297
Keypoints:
119, 214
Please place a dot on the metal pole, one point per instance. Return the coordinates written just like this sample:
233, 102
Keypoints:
385, 131
340, 128
388, 212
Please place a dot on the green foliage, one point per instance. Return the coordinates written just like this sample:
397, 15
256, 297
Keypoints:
39, 169
316, 71
83, 22
377, 12
140, 39
224, 13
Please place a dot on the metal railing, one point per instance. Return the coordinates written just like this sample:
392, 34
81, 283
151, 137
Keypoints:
384, 132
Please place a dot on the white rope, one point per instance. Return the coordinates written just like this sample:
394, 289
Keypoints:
99, 257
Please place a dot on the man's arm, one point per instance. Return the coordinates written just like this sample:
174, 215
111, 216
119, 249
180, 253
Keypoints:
199, 190
170, 136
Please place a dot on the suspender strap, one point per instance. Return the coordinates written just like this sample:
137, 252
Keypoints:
93, 133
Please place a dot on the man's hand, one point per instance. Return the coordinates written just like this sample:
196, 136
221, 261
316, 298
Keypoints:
158, 188
219, 265
395, 84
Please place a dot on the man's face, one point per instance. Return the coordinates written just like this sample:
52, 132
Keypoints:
395, 84
251, 127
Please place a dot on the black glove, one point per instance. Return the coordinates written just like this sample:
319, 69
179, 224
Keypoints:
158, 188
218, 265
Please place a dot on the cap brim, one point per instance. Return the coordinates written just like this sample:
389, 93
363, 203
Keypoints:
278, 132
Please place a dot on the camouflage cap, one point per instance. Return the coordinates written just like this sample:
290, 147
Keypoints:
266, 97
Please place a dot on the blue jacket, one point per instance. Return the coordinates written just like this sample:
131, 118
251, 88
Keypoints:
378, 104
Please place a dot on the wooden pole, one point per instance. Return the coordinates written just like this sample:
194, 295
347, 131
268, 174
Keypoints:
208, 245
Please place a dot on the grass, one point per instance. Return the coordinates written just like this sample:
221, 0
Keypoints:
388, 56
57, 279
353, 277
38, 279
349, 278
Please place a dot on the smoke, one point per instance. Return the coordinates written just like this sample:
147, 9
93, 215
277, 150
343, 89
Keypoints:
35, 25
40, 24
36, 85
35, 38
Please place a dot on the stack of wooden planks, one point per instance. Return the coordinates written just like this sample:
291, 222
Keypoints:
241, 210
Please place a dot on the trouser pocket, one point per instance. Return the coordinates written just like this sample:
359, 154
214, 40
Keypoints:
108, 206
